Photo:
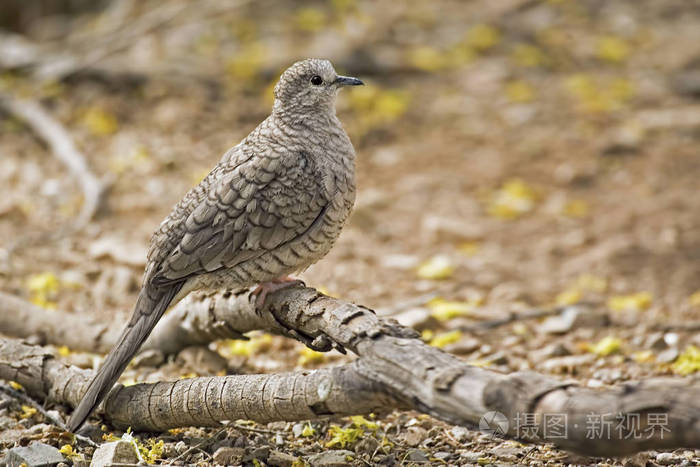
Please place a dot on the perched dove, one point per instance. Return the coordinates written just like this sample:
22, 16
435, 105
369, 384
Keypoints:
272, 206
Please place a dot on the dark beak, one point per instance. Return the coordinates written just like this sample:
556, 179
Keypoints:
348, 81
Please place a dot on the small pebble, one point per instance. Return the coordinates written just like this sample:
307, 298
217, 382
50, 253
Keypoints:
667, 458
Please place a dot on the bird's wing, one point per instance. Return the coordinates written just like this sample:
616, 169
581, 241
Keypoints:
244, 211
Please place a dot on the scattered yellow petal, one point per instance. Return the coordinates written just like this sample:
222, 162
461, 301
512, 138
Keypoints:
378, 106
469, 248
243, 348
527, 55
359, 421
42, 288
100, 122
446, 338
309, 356
16, 386
575, 208
310, 19
45, 282
688, 362
427, 335
519, 91
426, 58
596, 96
444, 310
27, 411
188, 375
152, 451
512, 200
612, 49
343, 437
569, 297
63, 351
695, 299
308, 431
67, 450
606, 346
637, 301
643, 356
483, 36
437, 267
589, 282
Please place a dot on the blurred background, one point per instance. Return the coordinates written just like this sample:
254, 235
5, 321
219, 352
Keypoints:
512, 155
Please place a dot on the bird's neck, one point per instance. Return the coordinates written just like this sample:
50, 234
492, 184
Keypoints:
311, 122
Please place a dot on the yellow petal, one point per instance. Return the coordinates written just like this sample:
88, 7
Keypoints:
446, 338
695, 299
309, 356
437, 267
688, 362
569, 297
444, 310
606, 346
483, 37
612, 49
635, 302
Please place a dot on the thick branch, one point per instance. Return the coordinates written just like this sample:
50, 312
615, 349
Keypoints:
432, 381
204, 401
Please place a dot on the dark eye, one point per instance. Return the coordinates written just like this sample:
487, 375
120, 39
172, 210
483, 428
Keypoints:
316, 80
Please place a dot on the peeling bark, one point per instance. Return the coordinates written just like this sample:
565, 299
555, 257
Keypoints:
397, 368
203, 401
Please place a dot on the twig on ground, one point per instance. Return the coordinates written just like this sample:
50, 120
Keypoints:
63, 148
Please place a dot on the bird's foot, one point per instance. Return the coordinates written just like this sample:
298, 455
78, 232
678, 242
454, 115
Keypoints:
262, 290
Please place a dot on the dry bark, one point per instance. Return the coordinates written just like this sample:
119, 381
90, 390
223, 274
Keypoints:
395, 370
204, 401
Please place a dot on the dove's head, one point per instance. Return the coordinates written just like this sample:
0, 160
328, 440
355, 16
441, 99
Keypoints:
310, 86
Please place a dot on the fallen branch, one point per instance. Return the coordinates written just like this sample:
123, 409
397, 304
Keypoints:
62, 147
402, 371
203, 401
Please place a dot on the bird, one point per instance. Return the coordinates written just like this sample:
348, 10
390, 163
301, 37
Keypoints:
272, 206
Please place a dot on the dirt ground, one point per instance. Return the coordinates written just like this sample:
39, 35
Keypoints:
512, 156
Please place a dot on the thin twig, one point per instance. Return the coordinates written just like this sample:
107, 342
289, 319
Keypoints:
256, 430
536, 313
197, 446
61, 144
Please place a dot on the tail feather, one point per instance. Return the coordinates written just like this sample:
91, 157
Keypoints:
150, 306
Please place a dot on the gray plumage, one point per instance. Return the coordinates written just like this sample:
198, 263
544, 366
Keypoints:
272, 206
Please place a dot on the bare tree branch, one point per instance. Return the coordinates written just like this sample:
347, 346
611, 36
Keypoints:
204, 401
402, 371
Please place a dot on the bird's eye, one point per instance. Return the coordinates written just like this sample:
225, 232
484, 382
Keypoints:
316, 80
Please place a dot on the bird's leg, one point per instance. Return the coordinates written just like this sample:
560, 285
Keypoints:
265, 288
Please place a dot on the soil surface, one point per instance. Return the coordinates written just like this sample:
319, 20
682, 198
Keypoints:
512, 156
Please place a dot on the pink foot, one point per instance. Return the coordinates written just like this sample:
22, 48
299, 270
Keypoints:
262, 290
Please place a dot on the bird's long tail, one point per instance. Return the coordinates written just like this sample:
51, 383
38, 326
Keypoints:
150, 306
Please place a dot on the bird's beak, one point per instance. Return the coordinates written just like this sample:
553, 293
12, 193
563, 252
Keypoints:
348, 81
